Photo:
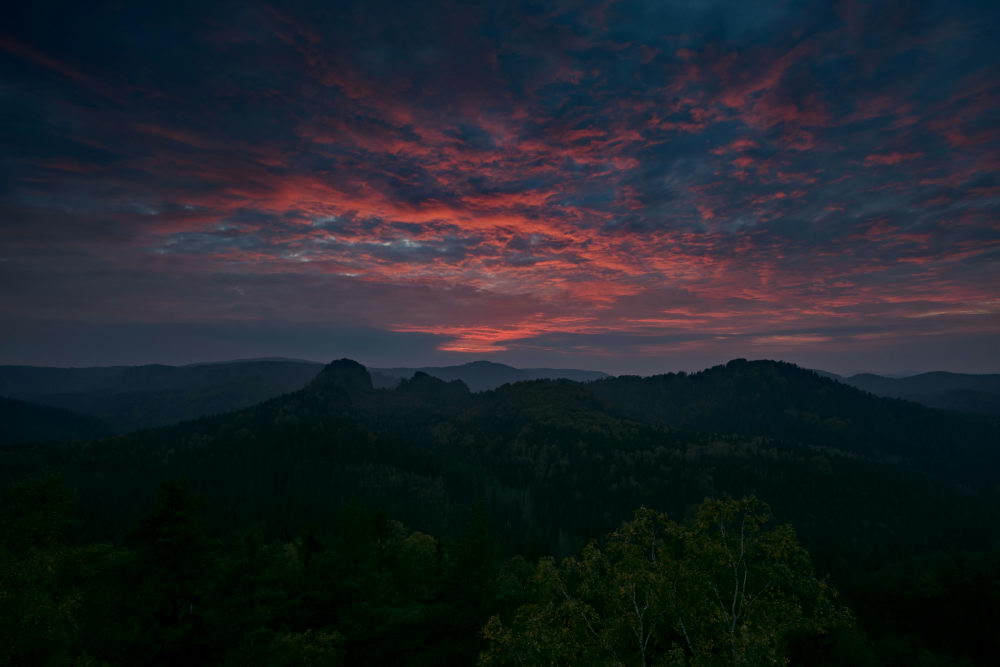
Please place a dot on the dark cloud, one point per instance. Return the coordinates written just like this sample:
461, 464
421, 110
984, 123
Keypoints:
603, 182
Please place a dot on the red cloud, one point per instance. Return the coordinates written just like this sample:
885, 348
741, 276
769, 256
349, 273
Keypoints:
883, 159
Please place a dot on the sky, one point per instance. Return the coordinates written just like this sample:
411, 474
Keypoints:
626, 185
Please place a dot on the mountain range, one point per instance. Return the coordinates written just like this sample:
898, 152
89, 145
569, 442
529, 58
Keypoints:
948, 391
867, 482
126, 398
760, 417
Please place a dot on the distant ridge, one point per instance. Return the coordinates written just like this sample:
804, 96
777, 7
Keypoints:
962, 392
428, 447
136, 397
127, 398
292, 360
486, 375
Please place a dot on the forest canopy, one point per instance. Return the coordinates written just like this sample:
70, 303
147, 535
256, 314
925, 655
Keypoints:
347, 522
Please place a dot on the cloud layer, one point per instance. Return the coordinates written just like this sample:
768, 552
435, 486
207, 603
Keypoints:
631, 184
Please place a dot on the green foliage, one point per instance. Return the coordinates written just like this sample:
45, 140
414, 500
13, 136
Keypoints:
729, 588
390, 519
367, 591
265, 648
174, 559
942, 608
36, 611
781, 400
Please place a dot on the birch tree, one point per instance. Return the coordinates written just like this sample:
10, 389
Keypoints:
730, 587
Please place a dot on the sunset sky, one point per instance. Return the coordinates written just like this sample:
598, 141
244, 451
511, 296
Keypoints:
631, 185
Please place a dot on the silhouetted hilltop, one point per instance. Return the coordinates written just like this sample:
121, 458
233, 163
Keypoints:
864, 480
343, 375
485, 375
756, 397
782, 400
134, 397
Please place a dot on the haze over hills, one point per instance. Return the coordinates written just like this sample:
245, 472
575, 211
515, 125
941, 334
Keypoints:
133, 397
795, 410
962, 392
867, 482
125, 398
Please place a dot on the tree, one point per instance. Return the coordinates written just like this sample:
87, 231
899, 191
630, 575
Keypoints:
263, 648
175, 560
36, 610
729, 588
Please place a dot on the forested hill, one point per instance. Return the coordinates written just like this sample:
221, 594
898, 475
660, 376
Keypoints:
551, 464
781, 400
133, 397
536, 451
22, 422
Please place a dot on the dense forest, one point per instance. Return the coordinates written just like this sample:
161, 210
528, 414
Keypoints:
543, 522
28, 422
